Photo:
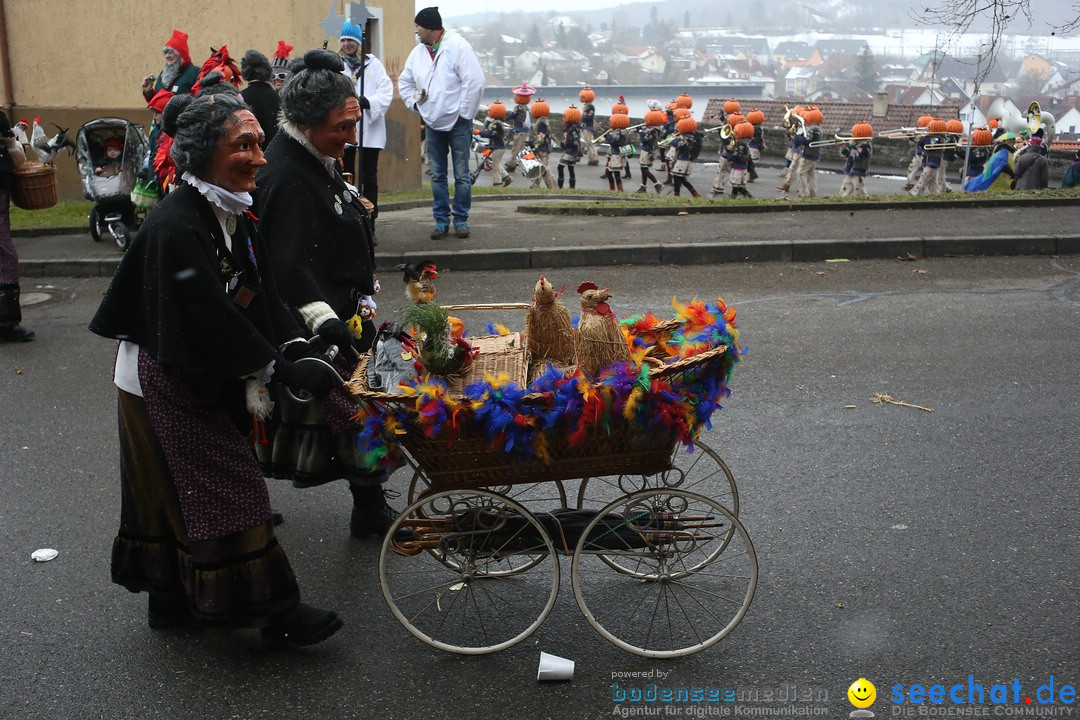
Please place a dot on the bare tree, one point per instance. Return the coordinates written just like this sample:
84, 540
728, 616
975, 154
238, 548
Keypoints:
960, 15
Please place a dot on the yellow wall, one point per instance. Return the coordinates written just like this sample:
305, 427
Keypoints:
74, 60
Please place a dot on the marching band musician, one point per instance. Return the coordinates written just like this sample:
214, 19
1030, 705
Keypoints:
977, 157
519, 121
540, 139
723, 167
588, 126
495, 130
571, 145
740, 167
682, 145
931, 163
613, 167
757, 146
915, 166
648, 138
793, 155
858, 153
809, 158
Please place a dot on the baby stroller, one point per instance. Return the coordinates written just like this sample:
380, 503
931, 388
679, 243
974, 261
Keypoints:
114, 214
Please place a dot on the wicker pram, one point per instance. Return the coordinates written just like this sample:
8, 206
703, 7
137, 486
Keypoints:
470, 461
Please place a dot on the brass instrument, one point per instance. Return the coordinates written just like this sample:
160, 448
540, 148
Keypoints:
627, 129
943, 146
837, 140
1037, 118
726, 131
903, 132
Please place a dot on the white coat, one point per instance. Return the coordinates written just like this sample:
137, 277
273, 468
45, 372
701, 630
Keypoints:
453, 79
379, 91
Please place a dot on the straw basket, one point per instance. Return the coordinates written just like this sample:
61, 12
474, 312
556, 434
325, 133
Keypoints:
34, 187
469, 461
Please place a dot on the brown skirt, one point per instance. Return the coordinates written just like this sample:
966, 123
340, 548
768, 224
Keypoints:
236, 580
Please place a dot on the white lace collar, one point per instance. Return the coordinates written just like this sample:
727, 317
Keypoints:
219, 197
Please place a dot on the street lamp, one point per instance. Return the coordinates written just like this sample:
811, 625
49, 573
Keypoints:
971, 115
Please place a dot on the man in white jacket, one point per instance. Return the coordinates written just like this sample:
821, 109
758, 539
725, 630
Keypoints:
442, 82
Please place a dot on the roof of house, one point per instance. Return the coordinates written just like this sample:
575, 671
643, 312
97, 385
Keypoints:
839, 116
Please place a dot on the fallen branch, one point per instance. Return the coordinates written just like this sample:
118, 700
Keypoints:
881, 399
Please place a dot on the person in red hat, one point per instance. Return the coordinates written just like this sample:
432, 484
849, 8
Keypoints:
178, 74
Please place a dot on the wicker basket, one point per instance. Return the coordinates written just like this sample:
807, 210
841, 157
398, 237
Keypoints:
469, 461
34, 187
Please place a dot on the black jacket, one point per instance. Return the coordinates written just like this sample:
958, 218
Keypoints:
263, 100
170, 294
316, 229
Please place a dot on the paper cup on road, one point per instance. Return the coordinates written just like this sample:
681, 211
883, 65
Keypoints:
553, 667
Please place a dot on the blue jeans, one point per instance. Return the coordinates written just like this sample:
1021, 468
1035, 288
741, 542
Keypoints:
454, 142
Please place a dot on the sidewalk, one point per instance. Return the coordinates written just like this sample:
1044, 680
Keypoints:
519, 233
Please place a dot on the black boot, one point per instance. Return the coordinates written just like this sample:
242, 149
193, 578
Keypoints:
303, 625
11, 315
371, 515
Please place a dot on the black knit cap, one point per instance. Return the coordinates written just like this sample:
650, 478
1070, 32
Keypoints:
429, 18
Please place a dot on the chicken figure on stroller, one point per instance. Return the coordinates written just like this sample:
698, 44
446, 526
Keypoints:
110, 152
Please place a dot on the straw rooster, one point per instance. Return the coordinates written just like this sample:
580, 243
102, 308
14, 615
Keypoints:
599, 340
547, 327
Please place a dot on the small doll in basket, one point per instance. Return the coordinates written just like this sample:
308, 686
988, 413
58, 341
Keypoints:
109, 165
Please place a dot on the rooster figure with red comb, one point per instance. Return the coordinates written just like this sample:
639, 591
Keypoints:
599, 340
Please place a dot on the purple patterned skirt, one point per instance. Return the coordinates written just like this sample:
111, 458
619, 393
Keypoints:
195, 512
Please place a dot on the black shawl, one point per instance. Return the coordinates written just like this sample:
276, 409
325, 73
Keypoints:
170, 297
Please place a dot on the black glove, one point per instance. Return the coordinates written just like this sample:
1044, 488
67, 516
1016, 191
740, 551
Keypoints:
364, 103
297, 349
317, 378
335, 332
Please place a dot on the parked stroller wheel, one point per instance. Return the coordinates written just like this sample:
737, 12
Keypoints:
97, 228
120, 234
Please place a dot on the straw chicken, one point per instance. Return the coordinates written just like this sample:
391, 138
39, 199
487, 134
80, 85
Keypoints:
599, 340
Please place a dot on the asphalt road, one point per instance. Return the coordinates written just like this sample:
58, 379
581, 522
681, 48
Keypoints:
894, 544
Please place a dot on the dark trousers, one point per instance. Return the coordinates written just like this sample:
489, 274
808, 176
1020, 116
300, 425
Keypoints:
367, 182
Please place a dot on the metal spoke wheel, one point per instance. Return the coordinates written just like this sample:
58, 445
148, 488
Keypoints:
696, 573
703, 471
481, 575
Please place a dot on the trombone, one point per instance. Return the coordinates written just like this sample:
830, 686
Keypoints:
903, 132
837, 140
943, 146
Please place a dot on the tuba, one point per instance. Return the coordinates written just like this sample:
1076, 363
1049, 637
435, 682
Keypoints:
1037, 118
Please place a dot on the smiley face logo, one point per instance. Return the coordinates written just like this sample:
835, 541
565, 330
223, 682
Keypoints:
862, 693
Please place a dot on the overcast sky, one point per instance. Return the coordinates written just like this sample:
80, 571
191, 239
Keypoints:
449, 8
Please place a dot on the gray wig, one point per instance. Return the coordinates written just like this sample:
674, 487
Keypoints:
197, 126
308, 97
254, 66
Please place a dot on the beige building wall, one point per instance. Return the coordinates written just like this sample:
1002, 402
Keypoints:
70, 61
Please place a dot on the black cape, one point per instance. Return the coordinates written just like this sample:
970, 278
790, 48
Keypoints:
170, 297
316, 230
